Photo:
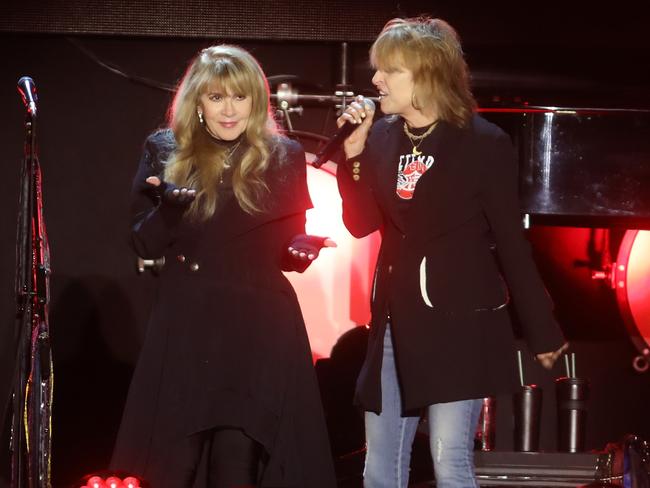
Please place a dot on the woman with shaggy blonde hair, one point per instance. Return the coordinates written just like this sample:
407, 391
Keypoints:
224, 392
441, 184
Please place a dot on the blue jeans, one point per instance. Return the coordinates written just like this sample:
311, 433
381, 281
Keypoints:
389, 436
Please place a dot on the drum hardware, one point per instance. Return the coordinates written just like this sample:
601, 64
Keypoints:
287, 98
624, 269
641, 363
629, 281
606, 275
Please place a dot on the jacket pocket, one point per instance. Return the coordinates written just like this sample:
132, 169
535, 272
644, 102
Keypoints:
449, 305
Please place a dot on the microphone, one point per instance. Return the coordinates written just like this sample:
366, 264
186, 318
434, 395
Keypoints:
27, 90
339, 136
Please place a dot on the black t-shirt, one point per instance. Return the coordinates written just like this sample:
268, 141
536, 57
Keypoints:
411, 165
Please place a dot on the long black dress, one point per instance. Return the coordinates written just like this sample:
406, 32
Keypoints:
226, 344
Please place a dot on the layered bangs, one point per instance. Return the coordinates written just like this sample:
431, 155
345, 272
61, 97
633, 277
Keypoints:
226, 76
399, 46
388, 52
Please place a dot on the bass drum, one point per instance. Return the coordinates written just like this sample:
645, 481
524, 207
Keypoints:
632, 282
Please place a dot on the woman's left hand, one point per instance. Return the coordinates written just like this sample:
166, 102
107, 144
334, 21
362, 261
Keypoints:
306, 247
171, 193
547, 359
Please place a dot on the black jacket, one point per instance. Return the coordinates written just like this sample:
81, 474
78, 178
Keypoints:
226, 344
437, 275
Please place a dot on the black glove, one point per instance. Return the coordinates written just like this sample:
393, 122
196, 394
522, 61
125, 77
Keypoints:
306, 247
171, 194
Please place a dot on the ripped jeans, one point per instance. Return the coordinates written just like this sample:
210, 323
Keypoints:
389, 436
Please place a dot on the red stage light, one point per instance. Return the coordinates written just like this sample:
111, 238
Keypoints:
131, 482
96, 482
114, 482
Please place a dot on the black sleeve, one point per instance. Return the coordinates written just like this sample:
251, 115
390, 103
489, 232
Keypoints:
153, 223
294, 188
361, 213
500, 202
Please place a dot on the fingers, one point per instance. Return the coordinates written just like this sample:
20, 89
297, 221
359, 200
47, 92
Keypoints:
153, 180
356, 113
176, 195
302, 254
306, 247
546, 359
182, 195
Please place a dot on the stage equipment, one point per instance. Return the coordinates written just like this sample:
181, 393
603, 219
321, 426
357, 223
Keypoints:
582, 167
631, 279
287, 99
31, 428
625, 464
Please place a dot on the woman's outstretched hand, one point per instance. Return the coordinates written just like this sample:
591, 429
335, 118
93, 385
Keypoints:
171, 193
306, 247
547, 359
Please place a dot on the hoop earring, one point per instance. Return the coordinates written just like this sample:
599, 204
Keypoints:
200, 114
414, 102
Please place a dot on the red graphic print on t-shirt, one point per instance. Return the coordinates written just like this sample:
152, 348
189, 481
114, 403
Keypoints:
410, 170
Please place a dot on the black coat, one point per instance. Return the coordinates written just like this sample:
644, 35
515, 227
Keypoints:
226, 345
437, 275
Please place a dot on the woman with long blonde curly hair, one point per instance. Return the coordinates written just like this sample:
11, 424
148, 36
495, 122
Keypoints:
224, 392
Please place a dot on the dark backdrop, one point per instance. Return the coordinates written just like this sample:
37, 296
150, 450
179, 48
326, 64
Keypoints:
92, 123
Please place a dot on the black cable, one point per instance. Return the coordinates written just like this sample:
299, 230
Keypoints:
119, 71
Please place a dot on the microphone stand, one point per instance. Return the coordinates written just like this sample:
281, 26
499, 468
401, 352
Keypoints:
31, 429
287, 100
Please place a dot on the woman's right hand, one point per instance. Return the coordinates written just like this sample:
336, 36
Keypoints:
359, 113
171, 193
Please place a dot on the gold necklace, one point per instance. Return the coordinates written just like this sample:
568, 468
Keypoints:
418, 138
226, 162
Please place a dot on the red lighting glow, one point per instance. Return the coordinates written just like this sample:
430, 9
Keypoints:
112, 482
334, 293
633, 292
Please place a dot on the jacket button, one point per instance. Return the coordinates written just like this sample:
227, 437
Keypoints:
355, 177
194, 267
181, 258
390, 268
356, 164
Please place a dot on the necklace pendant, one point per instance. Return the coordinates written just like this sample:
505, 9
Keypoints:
416, 152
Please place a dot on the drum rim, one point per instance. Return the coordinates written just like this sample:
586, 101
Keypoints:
622, 298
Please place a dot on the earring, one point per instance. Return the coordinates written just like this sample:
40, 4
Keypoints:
414, 102
200, 114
